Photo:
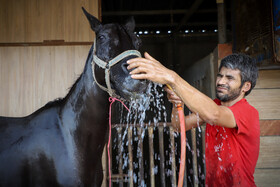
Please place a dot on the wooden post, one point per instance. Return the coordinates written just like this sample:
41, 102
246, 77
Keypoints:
194, 148
119, 130
203, 146
151, 153
105, 167
161, 152
173, 164
110, 148
221, 22
141, 159
130, 156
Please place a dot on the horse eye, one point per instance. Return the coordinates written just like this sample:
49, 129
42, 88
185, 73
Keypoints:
138, 43
101, 37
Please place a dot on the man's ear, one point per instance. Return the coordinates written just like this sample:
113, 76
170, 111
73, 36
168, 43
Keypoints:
246, 87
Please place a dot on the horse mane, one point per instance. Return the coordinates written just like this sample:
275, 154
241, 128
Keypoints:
73, 87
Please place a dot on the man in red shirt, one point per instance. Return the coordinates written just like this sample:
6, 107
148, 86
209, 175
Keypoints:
232, 125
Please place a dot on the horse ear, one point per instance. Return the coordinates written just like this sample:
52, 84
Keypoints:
130, 24
95, 24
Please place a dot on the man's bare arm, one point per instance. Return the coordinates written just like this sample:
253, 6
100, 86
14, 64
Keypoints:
197, 102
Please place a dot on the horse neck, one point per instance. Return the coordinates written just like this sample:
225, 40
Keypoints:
86, 104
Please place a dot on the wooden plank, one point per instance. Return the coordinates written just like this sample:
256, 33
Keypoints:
270, 127
36, 21
268, 166
44, 43
267, 102
269, 156
268, 79
267, 177
32, 76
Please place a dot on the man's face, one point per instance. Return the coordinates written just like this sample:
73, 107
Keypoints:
228, 84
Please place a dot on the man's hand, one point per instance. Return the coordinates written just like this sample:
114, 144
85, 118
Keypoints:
151, 69
173, 98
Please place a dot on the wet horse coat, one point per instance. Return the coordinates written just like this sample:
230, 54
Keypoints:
61, 144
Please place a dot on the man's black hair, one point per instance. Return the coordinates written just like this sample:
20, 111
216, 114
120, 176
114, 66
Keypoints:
245, 64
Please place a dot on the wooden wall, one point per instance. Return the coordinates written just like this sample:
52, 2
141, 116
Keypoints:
36, 21
266, 95
266, 98
43, 49
32, 76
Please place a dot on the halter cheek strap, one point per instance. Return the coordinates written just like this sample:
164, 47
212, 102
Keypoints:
107, 66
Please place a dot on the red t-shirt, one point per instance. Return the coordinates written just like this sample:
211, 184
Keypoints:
231, 154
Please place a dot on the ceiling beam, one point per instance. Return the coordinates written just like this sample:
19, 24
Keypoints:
154, 12
189, 13
158, 25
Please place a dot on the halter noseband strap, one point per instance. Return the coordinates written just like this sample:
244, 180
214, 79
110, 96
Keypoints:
107, 66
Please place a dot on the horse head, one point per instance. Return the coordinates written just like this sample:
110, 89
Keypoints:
114, 45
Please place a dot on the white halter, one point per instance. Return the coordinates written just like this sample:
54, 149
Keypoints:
107, 65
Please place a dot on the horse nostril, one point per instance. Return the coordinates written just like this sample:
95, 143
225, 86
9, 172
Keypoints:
124, 67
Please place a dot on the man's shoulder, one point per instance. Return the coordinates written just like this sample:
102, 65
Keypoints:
246, 104
244, 108
241, 105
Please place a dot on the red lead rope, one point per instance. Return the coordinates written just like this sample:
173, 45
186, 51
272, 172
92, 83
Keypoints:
112, 100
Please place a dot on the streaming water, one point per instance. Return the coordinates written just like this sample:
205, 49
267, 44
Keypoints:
146, 112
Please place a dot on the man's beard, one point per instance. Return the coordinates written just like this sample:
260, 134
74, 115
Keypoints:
232, 94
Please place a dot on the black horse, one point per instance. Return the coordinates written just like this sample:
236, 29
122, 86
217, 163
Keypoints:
61, 144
